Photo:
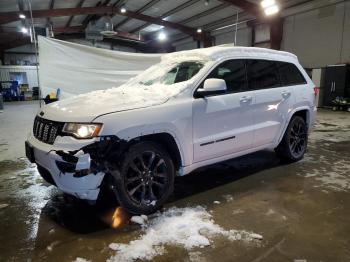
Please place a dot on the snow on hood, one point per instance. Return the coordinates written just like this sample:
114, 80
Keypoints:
88, 106
132, 95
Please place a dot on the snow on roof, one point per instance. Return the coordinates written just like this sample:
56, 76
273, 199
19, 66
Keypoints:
228, 51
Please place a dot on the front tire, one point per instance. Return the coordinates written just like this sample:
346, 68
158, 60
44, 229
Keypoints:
294, 142
146, 178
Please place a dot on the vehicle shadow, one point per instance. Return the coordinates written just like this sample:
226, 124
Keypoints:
223, 173
79, 217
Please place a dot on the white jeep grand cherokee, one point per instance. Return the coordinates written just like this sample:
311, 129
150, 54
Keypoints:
193, 109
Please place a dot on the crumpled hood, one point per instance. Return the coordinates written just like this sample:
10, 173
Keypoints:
86, 107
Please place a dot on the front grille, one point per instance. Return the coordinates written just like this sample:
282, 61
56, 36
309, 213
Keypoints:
46, 130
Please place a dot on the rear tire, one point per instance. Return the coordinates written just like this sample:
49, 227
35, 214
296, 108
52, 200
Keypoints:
294, 142
146, 178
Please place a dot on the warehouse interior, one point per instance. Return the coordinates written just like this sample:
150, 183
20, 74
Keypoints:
253, 207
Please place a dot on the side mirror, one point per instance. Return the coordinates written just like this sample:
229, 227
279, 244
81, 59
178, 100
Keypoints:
212, 86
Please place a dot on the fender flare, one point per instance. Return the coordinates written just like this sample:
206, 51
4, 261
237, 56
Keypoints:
143, 133
290, 115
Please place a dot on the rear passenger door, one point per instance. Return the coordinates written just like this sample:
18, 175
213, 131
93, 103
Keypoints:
272, 100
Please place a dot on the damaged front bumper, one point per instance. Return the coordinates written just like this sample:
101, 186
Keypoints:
69, 164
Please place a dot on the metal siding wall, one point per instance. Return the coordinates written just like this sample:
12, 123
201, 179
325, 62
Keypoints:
244, 36
30, 70
226, 36
345, 55
316, 36
186, 45
9, 57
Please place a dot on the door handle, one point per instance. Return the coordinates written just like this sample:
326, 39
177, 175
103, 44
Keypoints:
285, 94
245, 99
334, 87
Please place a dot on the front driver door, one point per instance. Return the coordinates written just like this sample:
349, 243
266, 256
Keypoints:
223, 124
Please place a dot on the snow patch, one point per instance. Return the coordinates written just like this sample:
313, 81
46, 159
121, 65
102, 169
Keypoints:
337, 132
256, 236
217, 202
336, 179
238, 211
270, 212
80, 259
3, 205
228, 198
141, 220
185, 227
196, 256
228, 51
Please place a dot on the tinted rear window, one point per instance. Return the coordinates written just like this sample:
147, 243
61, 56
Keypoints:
290, 74
262, 74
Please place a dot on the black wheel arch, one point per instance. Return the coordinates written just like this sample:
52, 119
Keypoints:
303, 113
167, 141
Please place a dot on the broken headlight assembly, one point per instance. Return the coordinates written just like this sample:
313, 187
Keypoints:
82, 131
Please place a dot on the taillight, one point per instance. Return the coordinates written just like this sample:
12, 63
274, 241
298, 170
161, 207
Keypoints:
316, 90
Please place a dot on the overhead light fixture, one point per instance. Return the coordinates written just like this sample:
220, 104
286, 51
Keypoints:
267, 3
105, 24
123, 10
162, 36
24, 30
22, 16
199, 30
206, 2
271, 10
270, 7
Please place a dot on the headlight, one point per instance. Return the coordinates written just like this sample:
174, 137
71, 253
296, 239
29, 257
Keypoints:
82, 130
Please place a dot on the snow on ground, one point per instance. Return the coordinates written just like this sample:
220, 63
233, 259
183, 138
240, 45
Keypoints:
336, 179
141, 220
228, 198
185, 227
338, 131
331, 172
79, 259
237, 212
196, 256
3, 205
331, 175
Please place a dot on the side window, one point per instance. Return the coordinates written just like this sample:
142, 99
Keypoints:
290, 74
234, 74
262, 74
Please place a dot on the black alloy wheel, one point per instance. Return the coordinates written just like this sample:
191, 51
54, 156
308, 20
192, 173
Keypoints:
297, 138
146, 178
294, 142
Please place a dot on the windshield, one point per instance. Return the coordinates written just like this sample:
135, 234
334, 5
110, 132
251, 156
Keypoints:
168, 75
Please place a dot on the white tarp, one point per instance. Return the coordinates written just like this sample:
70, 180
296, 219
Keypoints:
78, 69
